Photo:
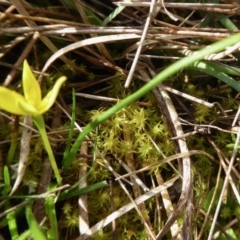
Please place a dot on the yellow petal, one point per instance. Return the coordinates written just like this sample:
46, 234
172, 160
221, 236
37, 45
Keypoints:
31, 88
29, 109
9, 101
50, 98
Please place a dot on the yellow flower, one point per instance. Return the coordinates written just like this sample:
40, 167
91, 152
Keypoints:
31, 103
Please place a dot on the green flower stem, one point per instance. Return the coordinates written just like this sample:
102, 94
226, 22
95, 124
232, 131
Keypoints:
39, 121
165, 74
33, 225
51, 213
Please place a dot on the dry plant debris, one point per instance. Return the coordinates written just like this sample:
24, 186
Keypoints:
171, 159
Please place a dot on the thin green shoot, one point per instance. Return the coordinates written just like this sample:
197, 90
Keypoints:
85, 190
72, 188
70, 136
112, 15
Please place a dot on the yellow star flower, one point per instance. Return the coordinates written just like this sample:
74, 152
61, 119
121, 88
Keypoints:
31, 103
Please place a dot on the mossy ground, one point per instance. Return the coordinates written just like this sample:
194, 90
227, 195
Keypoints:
135, 137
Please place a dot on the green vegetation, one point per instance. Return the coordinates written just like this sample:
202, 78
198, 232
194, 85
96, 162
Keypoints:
96, 146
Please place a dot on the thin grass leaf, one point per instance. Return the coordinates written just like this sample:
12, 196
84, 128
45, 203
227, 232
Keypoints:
82, 191
213, 70
70, 136
226, 22
92, 17
112, 15
28, 196
7, 181
13, 147
90, 170
223, 68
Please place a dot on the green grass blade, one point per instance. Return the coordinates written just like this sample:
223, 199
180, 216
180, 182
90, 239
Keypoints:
70, 136
82, 191
92, 17
223, 68
90, 170
215, 71
226, 22
7, 181
113, 15
13, 147
235, 71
